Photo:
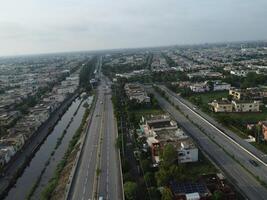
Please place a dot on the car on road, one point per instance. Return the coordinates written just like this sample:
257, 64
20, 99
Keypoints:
101, 102
254, 163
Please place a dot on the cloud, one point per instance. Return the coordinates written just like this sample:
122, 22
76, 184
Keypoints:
34, 26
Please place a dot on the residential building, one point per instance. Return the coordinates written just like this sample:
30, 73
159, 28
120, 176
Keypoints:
157, 123
223, 105
220, 86
199, 87
249, 93
242, 73
236, 93
246, 106
161, 130
264, 129
6, 152
7, 119
136, 92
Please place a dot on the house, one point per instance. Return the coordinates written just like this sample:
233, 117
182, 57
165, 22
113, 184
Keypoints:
199, 87
186, 149
241, 73
6, 152
249, 93
136, 92
223, 105
217, 182
264, 129
246, 106
8, 118
16, 141
220, 86
65, 90
236, 93
157, 123
161, 130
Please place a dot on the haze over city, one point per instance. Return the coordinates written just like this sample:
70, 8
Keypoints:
133, 100
35, 26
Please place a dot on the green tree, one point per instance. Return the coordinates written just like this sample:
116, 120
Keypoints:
162, 177
130, 190
166, 194
217, 195
149, 178
168, 155
154, 193
145, 165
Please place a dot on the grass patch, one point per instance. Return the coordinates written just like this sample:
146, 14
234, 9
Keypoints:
202, 167
210, 96
238, 131
143, 112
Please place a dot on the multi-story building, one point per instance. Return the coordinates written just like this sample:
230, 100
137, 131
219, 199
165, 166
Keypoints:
220, 86
223, 105
249, 93
161, 131
199, 87
246, 106
136, 92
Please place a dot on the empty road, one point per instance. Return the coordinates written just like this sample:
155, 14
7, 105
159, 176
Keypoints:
99, 154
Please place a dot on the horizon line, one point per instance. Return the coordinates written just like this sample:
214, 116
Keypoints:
127, 48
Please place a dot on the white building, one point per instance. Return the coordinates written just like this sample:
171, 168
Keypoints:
136, 92
220, 86
187, 152
199, 87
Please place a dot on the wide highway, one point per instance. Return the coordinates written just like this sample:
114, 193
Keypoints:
98, 171
230, 156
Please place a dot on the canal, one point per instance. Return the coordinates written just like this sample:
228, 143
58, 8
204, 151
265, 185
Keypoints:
45, 160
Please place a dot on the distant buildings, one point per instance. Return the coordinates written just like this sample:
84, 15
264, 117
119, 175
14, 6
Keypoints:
249, 93
199, 87
20, 127
206, 86
136, 92
220, 86
6, 119
225, 105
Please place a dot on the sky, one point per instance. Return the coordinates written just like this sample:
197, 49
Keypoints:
45, 26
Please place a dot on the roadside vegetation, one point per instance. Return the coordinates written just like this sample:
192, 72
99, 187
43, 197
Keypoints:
138, 171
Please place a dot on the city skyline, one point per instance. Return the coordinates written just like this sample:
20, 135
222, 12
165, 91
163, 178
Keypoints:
35, 27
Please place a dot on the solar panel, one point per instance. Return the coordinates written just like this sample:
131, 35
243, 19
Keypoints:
186, 188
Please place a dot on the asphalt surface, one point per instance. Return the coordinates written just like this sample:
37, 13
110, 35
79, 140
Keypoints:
100, 140
225, 153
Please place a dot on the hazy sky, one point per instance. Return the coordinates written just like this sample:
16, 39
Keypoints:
37, 26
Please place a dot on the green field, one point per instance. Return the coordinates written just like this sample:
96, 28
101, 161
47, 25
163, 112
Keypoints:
203, 99
143, 112
209, 96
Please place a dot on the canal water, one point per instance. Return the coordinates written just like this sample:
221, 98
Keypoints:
39, 161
